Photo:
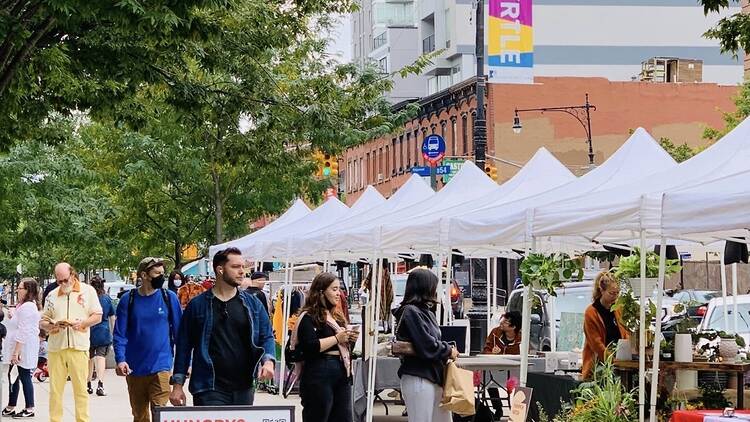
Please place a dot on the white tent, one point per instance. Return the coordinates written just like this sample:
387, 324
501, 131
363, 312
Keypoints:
337, 241
298, 210
289, 244
621, 213
505, 224
279, 242
428, 231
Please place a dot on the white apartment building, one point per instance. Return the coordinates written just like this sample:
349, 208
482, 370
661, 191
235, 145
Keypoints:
595, 38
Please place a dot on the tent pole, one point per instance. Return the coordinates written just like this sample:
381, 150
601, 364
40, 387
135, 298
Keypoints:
449, 278
723, 271
525, 321
734, 297
657, 336
441, 280
284, 331
642, 334
375, 287
437, 270
489, 281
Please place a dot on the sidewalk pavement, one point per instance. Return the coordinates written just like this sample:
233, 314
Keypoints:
115, 407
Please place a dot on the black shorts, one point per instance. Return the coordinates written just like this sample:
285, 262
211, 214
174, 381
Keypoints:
98, 351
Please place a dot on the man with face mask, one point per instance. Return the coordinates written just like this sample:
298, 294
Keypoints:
147, 322
227, 333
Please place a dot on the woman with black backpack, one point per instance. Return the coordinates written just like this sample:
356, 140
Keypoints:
325, 344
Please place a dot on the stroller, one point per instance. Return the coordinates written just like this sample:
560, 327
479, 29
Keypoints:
41, 373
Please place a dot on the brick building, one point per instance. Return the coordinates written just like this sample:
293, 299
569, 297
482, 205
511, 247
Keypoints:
676, 111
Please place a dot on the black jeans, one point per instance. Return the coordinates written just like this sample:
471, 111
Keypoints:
325, 391
225, 398
24, 377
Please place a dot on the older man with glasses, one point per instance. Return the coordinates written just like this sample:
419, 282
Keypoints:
69, 311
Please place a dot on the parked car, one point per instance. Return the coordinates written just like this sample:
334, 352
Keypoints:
695, 301
713, 320
573, 297
112, 288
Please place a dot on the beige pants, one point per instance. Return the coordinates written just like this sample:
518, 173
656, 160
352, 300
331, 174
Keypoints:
146, 392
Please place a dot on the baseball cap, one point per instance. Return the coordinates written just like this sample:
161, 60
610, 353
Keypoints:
147, 263
258, 274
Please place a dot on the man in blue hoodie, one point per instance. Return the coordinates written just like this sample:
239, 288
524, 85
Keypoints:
147, 322
228, 335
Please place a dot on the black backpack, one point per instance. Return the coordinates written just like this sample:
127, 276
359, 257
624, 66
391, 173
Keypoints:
165, 297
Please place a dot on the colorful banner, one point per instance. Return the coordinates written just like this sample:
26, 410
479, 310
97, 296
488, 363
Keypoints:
510, 36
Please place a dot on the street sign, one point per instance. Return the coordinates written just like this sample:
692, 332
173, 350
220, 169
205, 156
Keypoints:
423, 171
455, 164
433, 148
442, 170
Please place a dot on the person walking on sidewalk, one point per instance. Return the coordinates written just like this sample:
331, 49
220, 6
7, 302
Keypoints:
228, 335
147, 321
68, 313
23, 346
101, 338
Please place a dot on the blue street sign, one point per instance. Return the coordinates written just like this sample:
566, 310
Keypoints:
442, 170
422, 171
433, 148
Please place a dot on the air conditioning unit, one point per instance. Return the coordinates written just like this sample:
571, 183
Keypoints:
380, 177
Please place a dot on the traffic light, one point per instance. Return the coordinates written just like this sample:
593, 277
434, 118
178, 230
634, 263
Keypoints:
491, 171
334, 167
327, 165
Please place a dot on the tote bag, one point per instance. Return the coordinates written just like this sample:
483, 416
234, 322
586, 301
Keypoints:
458, 390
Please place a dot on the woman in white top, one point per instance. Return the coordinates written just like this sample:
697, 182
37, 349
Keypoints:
22, 347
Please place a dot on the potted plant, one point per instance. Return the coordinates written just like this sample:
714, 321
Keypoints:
548, 272
666, 350
629, 268
630, 317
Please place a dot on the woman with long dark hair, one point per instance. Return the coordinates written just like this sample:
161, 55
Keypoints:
422, 374
22, 344
325, 343
100, 336
174, 282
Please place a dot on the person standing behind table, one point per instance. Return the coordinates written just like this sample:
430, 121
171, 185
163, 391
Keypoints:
505, 339
175, 281
147, 322
601, 325
325, 343
69, 311
188, 291
100, 338
23, 345
228, 335
422, 376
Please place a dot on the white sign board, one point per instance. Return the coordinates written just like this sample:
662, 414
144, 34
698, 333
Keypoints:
225, 414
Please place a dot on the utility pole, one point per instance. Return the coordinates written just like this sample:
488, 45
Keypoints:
480, 124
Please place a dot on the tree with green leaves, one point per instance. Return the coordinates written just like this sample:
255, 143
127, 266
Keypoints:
680, 152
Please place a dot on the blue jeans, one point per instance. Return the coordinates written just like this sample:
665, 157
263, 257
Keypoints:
224, 398
24, 377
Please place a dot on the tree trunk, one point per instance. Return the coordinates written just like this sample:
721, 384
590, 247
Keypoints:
177, 255
219, 207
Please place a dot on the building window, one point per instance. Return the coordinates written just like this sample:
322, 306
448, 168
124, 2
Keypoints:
453, 136
464, 135
381, 164
456, 74
393, 157
383, 65
408, 150
416, 147
387, 172
379, 41
428, 44
362, 174
432, 85
369, 169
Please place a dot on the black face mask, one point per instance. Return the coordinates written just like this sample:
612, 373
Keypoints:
158, 282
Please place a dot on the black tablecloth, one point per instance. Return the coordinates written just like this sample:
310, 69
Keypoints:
549, 389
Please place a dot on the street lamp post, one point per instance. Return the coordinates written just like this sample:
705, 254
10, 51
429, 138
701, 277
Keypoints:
480, 122
582, 113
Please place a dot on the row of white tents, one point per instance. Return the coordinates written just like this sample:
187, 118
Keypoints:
638, 195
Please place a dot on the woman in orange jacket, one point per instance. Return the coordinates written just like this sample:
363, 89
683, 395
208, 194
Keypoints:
601, 325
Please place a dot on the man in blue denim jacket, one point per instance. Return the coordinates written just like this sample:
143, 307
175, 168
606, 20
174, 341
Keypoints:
227, 334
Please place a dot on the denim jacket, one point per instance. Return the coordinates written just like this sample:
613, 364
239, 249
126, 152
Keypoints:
194, 337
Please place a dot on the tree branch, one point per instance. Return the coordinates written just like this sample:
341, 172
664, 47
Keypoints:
28, 46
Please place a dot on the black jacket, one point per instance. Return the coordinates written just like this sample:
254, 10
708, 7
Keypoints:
419, 326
